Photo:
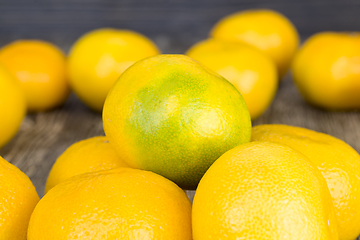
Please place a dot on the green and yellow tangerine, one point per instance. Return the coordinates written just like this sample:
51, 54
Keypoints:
170, 115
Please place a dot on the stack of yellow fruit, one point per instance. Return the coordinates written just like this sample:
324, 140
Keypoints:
263, 190
173, 124
45, 76
250, 71
32, 79
336, 160
252, 49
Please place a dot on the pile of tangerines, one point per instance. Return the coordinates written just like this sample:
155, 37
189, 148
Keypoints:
176, 122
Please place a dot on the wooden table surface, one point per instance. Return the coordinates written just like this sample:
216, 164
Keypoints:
174, 26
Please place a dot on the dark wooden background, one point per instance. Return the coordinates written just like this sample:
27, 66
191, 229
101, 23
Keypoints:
174, 26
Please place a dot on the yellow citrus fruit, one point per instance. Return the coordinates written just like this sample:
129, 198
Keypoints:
41, 69
267, 30
263, 190
18, 198
250, 71
99, 57
89, 155
326, 70
12, 106
121, 203
338, 163
170, 115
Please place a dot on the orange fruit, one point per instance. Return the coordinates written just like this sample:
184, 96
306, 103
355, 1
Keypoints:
99, 57
267, 30
250, 71
338, 163
88, 155
12, 106
121, 203
18, 198
170, 115
40, 67
263, 190
326, 70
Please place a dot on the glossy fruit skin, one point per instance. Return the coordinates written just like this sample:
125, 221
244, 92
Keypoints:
121, 203
267, 30
249, 70
88, 155
170, 115
12, 106
40, 67
18, 198
326, 70
99, 57
263, 190
338, 163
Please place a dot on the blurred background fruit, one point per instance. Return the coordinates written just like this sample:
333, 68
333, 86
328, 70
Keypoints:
326, 70
249, 70
338, 162
12, 106
88, 155
18, 198
40, 67
263, 190
265, 29
170, 115
121, 203
99, 57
